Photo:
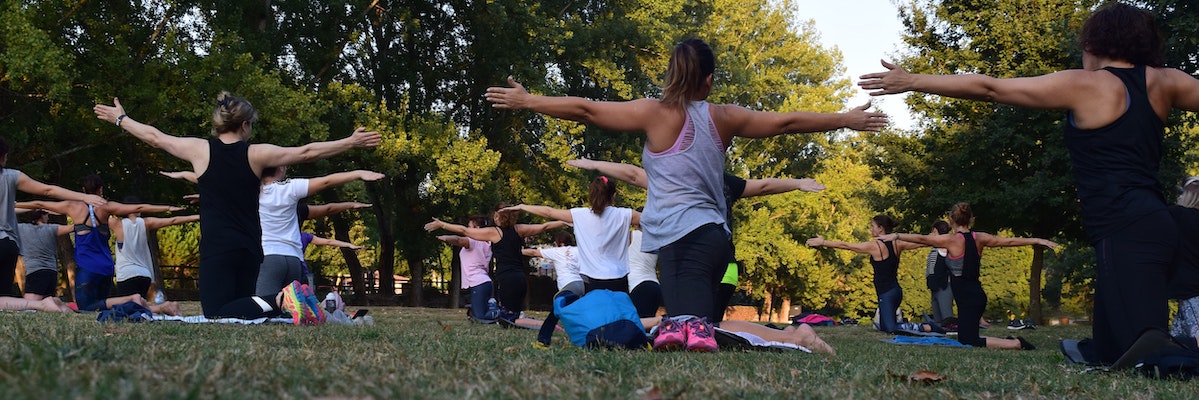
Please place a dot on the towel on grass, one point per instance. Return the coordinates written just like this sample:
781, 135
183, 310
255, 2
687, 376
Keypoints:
200, 319
729, 340
924, 341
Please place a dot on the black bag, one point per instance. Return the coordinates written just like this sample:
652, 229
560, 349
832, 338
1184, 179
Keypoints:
1171, 363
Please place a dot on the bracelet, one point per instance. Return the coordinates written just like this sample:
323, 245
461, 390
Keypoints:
119, 119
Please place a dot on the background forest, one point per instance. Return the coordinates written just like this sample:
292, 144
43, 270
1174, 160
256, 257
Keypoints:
416, 71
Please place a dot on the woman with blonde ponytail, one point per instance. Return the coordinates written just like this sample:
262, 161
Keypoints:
229, 171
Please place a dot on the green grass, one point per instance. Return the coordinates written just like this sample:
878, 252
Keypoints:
435, 353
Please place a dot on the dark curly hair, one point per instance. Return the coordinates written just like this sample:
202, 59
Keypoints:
1123, 32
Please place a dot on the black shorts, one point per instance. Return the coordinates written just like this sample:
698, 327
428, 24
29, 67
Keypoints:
43, 282
135, 285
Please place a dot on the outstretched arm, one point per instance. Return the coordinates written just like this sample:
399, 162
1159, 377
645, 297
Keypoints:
192, 150
181, 175
32, 186
544, 211
57, 207
325, 210
990, 240
531, 252
155, 223
320, 241
491, 235
63, 230
743, 122
526, 230
627, 173
627, 116
1059, 90
318, 184
769, 186
264, 155
868, 248
116, 208
455, 240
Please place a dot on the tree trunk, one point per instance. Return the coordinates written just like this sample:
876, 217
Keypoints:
767, 308
341, 231
455, 279
155, 271
66, 261
1034, 284
784, 310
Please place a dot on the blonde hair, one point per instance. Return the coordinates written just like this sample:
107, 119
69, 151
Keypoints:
1190, 192
231, 111
691, 63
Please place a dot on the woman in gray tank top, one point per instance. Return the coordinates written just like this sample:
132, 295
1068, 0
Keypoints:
684, 159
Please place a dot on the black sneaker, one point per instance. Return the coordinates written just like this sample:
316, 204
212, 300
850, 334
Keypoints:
1024, 344
1017, 324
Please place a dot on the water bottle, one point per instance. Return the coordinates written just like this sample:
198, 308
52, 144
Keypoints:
159, 298
330, 302
491, 305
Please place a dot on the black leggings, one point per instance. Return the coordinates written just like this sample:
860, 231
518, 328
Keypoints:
510, 290
691, 268
227, 282
1130, 283
647, 297
8, 265
972, 301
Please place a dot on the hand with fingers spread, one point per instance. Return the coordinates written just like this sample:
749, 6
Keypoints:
513, 97
862, 120
894, 80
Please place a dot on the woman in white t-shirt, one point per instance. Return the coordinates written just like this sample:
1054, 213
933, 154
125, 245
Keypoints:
475, 257
602, 232
565, 257
281, 247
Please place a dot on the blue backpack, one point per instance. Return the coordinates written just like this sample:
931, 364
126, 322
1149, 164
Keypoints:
601, 319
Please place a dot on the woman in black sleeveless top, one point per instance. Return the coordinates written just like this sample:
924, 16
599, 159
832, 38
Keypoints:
507, 240
965, 248
884, 257
1116, 105
229, 170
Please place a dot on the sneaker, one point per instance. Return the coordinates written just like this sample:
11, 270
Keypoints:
1028, 324
671, 335
294, 303
317, 313
700, 336
1017, 324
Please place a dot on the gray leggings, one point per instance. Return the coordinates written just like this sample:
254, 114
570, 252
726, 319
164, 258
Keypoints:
277, 271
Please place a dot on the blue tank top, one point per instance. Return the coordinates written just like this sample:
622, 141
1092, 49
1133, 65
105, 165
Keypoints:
1116, 166
91, 248
886, 271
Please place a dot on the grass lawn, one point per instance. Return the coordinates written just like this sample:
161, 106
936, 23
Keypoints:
436, 353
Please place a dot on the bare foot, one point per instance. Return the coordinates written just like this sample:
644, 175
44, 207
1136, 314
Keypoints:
168, 308
53, 304
805, 336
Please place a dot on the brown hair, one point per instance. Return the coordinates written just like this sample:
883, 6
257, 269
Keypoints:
1123, 32
601, 194
231, 111
92, 184
504, 219
691, 63
564, 238
479, 220
941, 227
961, 215
884, 221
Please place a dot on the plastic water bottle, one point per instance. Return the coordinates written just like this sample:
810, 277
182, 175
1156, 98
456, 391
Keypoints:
330, 302
159, 298
492, 305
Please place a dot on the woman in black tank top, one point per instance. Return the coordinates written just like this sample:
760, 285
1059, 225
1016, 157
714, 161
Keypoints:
884, 257
965, 249
507, 240
1116, 105
229, 170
